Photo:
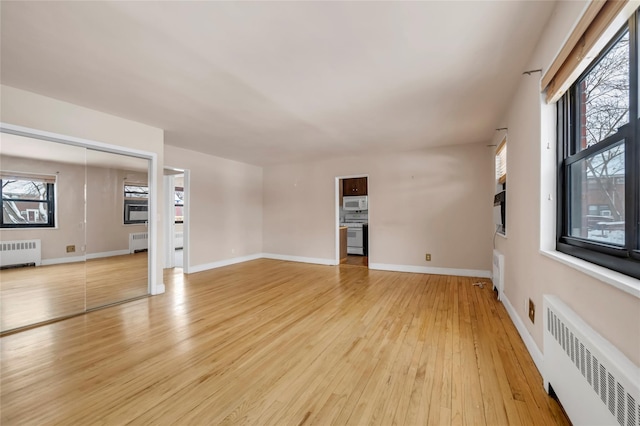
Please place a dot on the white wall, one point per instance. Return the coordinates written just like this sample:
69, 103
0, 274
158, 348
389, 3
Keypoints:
22, 108
225, 202
428, 201
528, 273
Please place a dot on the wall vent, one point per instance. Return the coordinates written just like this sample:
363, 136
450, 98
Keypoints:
19, 253
593, 380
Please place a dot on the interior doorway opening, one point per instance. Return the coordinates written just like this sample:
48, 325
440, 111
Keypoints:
352, 220
176, 247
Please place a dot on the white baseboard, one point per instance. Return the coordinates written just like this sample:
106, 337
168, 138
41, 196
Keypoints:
535, 353
431, 270
73, 259
221, 263
60, 260
158, 289
316, 260
107, 254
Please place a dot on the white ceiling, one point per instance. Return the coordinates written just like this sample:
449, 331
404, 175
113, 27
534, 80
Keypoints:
270, 82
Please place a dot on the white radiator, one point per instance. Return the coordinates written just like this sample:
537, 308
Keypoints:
498, 272
20, 252
595, 383
138, 241
178, 239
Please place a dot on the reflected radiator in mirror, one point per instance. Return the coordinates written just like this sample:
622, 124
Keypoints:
138, 241
19, 253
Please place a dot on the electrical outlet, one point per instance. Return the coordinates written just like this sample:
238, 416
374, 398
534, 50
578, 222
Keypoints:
71, 249
532, 311
427, 257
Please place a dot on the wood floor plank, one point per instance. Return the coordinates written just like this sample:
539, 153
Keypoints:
272, 342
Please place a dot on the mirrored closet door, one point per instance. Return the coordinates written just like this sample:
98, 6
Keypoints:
117, 228
73, 235
42, 231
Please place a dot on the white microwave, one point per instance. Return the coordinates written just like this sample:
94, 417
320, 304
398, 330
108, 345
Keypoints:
355, 203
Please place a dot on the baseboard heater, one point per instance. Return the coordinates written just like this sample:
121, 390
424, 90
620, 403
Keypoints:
593, 380
138, 241
20, 253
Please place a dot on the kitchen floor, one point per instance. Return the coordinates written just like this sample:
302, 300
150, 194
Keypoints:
356, 260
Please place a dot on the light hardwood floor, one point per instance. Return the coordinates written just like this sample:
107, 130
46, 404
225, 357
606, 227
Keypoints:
271, 342
36, 294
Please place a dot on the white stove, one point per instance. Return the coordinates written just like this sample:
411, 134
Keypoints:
355, 234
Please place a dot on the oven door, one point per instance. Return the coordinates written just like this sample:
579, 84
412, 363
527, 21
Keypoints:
354, 241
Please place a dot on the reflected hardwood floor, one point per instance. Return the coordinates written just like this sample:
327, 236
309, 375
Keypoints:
272, 342
35, 294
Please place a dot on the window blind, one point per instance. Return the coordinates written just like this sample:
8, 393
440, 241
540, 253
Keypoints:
585, 41
501, 162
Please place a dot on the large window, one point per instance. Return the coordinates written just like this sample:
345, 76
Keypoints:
599, 171
28, 201
136, 203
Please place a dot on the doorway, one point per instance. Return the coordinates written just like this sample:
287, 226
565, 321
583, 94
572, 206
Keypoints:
176, 208
352, 220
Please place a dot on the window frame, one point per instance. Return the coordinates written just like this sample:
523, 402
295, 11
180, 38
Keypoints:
624, 259
500, 198
50, 201
131, 201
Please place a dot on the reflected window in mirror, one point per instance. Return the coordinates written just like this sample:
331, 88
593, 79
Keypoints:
136, 203
28, 200
179, 204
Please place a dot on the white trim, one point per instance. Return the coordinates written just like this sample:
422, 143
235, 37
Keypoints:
72, 140
60, 260
73, 259
186, 222
159, 289
169, 224
154, 287
316, 260
337, 219
107, 254
535, 353
620, 281
226, 262
431, 270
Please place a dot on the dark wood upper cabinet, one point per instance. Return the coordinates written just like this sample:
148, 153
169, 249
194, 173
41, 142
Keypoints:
354, 186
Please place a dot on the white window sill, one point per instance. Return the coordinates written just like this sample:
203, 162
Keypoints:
620, 281
501, 235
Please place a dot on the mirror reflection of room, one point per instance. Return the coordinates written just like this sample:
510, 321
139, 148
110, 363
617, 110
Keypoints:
117, 228
65, 246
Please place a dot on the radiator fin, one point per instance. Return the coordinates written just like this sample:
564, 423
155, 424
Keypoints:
589, 367
622, 405
631, 408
